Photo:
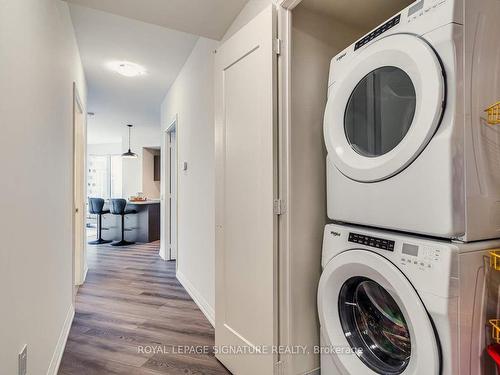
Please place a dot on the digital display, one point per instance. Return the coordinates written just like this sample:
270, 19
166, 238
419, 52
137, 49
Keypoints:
415, 8
409, 249
376, 242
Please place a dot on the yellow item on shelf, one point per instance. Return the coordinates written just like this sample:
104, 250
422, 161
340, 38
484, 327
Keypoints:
495, 259
493, 114
495, 330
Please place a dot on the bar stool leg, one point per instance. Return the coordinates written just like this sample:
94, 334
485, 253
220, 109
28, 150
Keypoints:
122, 242
99, 240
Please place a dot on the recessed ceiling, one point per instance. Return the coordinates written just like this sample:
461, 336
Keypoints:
207, 18
359, 13
115, 99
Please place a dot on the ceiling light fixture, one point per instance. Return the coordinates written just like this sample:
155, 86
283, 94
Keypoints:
127, 68
129, 154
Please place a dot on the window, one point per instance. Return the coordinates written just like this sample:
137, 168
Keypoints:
104, 176
380, 111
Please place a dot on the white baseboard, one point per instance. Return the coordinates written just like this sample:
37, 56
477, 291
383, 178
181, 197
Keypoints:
61, 342
85, 274
163, 250
197, 298
162, 253
316, 371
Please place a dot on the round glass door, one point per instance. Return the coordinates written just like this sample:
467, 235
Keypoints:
380, 111
367, 305
384, 107
374, 326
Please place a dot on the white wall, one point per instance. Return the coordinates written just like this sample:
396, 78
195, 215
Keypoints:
191, 98
142, 136
249, 11
39, 62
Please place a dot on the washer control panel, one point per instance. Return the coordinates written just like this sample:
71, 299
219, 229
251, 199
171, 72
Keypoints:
375, 242
419, 256
431, 265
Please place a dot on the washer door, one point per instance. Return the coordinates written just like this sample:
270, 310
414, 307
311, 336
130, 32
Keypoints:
385, 108
367, 306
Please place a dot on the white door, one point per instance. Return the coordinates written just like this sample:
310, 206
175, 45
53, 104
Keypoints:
365, 303
169, 196
79, 222
246, 243
173, 194
385, 107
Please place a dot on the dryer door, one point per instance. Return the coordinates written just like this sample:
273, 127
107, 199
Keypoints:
385, 108
373, 318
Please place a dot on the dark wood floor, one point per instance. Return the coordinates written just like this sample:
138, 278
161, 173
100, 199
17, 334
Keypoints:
131, 304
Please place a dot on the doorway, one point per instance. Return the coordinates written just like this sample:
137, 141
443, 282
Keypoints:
170, 187
79, 189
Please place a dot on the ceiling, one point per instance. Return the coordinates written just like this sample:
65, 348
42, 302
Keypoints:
117, 100
207, 18
358, 13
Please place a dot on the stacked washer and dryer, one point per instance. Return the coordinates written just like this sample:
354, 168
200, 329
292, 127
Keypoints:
413, 175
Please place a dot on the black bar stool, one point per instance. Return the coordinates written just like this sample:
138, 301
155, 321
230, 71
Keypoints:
119, 207
96, 207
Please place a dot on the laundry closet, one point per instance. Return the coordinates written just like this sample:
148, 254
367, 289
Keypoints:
272, 82
313, 32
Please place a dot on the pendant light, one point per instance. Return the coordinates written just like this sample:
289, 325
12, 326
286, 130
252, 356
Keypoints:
129, 154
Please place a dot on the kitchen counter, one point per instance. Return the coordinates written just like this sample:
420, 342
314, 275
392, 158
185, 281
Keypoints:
144, 226
141, 203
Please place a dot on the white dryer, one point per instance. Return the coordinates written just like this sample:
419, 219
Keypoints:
409, 147
397, 304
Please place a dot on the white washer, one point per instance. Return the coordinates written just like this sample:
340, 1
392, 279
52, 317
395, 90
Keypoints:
409, 147
413, 305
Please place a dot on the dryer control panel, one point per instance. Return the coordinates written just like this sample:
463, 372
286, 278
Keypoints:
378, 31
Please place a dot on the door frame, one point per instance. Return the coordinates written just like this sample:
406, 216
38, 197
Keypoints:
285, 259
173, 125
79, 255
285, 334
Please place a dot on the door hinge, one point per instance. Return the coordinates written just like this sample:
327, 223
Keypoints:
277, 46
279, 206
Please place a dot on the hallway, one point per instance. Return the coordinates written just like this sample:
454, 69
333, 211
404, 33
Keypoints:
130, 307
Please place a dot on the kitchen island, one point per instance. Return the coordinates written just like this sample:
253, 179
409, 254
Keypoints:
144, 226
